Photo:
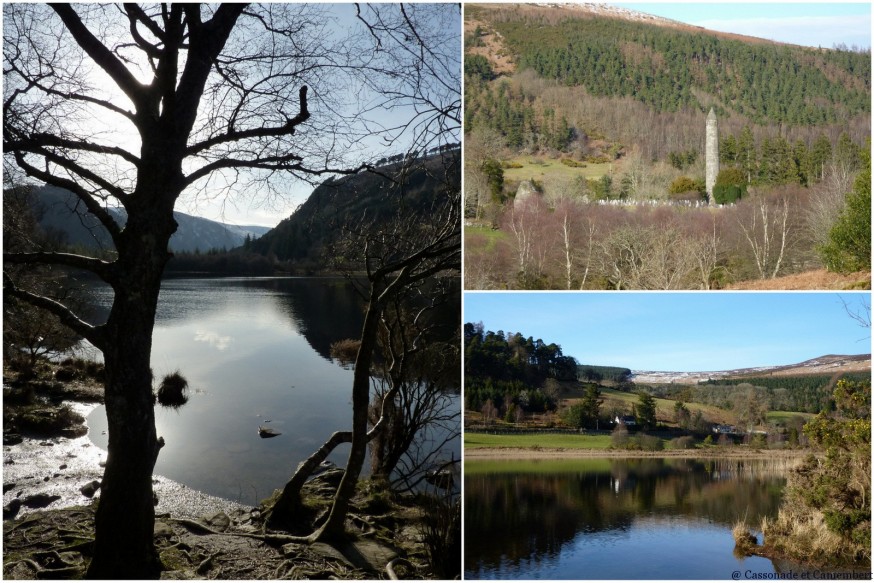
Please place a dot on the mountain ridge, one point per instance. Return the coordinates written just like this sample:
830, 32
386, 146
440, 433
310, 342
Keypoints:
308, 235
612, 11
57, 212
829, 363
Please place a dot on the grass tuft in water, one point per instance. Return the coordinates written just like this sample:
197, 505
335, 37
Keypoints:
745, 542
173, 389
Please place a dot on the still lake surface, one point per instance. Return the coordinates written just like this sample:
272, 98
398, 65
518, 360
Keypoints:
255, 352
649, 518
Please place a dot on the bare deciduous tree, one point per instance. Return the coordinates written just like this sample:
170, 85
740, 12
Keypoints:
827, 200
768, 230
402, 255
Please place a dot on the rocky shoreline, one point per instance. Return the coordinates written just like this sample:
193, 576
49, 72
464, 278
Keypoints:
58, 472
51, 481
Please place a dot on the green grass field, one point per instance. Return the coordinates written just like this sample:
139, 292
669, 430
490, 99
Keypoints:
784, 416
537, 168
492, 236
665, 407
548, 441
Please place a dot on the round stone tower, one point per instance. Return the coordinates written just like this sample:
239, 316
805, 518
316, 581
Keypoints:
711, 155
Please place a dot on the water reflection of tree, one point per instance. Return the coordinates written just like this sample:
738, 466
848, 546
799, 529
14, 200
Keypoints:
322, 310
516, 517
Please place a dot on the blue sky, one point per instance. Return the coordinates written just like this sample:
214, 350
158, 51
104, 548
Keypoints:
802, 23
678, 331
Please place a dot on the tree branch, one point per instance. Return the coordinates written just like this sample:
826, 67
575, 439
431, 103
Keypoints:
86, 197
286, 129
101, 55
94, 334
289, 162
38, 140
136, 14
34, 82
103, 269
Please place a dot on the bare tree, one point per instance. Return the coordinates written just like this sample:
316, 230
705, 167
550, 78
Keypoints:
706, 250
527, 221
576, 231
423, 417
399, 257
827, 200
402, 255
647, 257
480, 145
134, 106
768, 229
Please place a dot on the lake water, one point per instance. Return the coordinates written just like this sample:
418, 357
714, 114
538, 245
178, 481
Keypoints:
653, 518
255, 352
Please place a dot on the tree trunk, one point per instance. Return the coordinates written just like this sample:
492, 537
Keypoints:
360, 405
288, 504
125, 519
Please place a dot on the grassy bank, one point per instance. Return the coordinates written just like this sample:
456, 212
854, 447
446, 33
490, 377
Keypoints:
535, 440
532, 446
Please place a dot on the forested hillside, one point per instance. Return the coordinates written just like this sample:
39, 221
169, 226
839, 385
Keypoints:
309, 237
597, 124
505, 370
670, 68
803, 393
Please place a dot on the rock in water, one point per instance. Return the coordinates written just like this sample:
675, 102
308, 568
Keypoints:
266, 432
89, 489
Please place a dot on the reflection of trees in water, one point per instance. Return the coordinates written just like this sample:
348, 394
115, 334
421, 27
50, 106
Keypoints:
327, 310
513, 518
322, 310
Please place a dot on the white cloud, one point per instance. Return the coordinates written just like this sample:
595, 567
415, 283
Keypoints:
214, 339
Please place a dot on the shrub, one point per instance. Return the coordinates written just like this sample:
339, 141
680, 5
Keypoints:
849, 243
650, 442
172, 391
345, 351
731, 185
441, 535
758, 441
684, 442
682, 184
619, 438
66, 374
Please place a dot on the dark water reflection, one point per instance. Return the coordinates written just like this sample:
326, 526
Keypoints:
647, 518
255, 351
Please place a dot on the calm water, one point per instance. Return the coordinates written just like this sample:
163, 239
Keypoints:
255, 351
614, 519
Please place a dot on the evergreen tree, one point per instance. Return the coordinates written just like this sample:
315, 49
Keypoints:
746, 152
846, 152
820, 154
646, 410
849, 246
728, 150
